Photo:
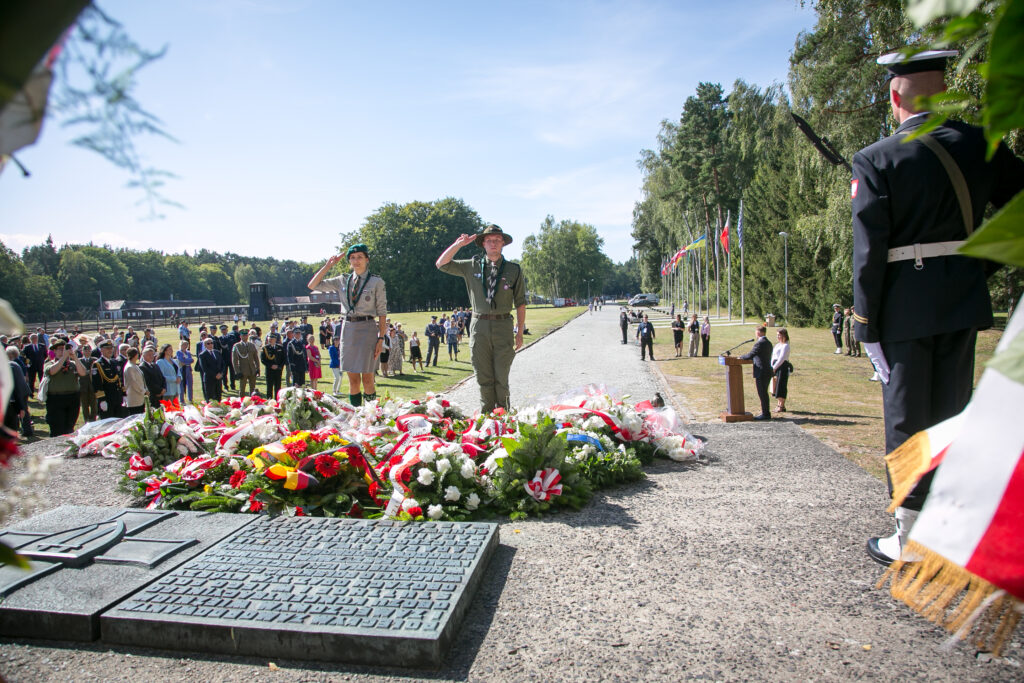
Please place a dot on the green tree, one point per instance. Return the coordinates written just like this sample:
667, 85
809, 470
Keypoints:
42, 259
78, 277
565, 259
245, 274
221, 288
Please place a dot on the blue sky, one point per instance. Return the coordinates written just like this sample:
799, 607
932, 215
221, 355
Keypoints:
296, 119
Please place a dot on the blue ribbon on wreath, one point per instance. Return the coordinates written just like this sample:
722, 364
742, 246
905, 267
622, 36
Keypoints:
586, 438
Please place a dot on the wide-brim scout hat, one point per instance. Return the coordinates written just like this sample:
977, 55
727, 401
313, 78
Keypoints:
492, 229
55, 342
898, 64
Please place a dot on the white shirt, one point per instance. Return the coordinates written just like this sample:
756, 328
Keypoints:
780, 354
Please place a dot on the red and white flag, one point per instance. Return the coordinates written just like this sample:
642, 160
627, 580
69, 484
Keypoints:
970, 534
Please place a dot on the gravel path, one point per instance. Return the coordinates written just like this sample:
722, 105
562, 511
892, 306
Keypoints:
748, 568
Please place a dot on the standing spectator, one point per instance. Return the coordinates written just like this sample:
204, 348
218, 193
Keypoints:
705, 337
781, 367
623, 323
42, 337
134, 385
168, 366
415, 355
762, 356
183, 331
107, 381
837, 327
694, 329
852, 345
86, 391
452, 335
17, 405
210, 365
156, 385
184, 358
298, 361
645, 333
385, 354
35, 358
313, 359
246, 361
272, 357
396, 350
678, 327
62, 395
433, 333
335, 354
227, 345
848, 330
148, 338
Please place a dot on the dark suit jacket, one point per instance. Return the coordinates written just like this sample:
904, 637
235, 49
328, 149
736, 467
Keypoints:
762, 355
19, 393
155, 382
209, 364
36, 355
902, 195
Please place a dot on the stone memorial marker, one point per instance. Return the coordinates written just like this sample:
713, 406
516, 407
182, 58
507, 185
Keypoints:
372, 592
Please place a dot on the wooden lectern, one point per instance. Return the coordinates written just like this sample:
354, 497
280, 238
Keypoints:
734, 411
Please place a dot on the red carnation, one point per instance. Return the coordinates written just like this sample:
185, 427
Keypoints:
395, 460
237, 478
327, 465
355, 458
299, 512
415, 511
296, 448
406, 475
255, 505
499, 411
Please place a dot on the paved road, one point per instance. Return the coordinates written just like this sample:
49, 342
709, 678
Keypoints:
748, 568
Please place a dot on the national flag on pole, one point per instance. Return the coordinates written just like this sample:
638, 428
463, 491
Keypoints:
739, 226
698, 243
970, 575
724, 236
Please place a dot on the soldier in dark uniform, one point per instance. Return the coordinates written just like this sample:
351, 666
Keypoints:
433, 334
918, 304
837, 327
106, 380
272, 357
761, 354
227, 344
623, 323
295, 353
496, 286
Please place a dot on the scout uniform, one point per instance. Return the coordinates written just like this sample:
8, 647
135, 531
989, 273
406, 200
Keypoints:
106, 380
913, 204
492, 342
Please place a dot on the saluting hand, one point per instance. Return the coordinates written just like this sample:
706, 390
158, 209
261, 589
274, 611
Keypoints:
465, 239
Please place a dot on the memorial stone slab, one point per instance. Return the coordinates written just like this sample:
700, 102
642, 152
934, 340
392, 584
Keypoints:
364, 591
79, 568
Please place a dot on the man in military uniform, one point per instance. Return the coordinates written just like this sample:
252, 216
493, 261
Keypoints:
106, 380
295, 352
246, 364
227, 343
623, 323
272, 357
918, 304
496, 286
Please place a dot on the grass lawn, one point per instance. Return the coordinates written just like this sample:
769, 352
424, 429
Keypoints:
829, 395
540, 320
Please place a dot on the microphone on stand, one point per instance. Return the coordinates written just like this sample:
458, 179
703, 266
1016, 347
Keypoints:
726, 353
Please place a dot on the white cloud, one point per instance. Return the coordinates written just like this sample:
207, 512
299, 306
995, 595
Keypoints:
19, 240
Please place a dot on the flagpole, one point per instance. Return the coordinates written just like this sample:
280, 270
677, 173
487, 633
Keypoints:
728, 260
739, 236
718, 271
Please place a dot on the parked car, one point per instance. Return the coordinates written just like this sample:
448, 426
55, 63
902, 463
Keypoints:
644, 300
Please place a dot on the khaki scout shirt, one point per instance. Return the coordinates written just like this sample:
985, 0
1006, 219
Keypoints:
373, 301
510, 292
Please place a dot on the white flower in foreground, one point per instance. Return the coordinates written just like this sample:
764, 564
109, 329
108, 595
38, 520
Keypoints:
427, 454
472, 501
468, 470
443, 466
426, 477
452, 493
493, 461
409, 503
434, 512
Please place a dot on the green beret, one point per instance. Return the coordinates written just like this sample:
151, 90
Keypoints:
358, 247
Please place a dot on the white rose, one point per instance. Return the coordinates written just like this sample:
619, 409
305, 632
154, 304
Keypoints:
426, 477
452, 493
472, 501
409, 503
468, 470
443, 466
434, 512
427, 454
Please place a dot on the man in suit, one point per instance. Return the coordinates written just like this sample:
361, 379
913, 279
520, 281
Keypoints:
210, 365
35, 355
227, 344
156, 385
919, 304
623, 323
645, 333
762, 356
433, 332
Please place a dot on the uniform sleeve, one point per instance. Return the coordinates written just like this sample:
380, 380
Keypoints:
380, 297
333, 284
1009, 176
460, 268
519, 289
871, 228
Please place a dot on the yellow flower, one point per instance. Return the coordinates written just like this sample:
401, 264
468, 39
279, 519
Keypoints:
207, 489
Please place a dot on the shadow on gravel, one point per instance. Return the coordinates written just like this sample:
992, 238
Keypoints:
466, 641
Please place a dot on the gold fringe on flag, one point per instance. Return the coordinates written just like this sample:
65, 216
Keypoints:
949, 595
906, 465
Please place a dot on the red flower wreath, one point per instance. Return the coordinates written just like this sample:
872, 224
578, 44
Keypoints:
237, 479
327, 465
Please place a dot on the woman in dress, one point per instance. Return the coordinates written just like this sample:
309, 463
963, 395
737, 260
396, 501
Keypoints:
397, 350
363, 298
782, 367
678, 327
185, 360
169, 369
415, 355
313, 359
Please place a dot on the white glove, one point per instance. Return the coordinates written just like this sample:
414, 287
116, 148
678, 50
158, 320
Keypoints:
103, 406
874, 351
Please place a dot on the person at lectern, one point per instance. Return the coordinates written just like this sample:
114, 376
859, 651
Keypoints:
762, 357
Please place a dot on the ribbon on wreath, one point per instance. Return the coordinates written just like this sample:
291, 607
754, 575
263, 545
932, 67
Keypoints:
544, 485
410, 458
585, 438
294, 478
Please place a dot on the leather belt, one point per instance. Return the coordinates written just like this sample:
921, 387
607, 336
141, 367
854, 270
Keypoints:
357, 318
499, 316
918, 252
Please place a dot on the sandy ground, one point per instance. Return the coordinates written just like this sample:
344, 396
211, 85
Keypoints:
750, 567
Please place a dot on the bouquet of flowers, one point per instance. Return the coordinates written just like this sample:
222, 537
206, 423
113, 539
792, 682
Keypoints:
600, 460
432, 479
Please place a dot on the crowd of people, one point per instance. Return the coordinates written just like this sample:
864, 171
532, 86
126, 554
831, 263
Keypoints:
112, 373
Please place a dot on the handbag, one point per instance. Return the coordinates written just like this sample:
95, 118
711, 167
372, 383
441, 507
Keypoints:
44, 387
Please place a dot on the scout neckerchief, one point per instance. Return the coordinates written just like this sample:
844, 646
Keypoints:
491, 276
352, 301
